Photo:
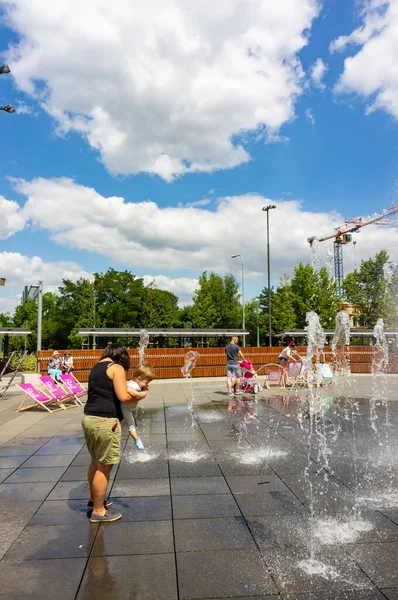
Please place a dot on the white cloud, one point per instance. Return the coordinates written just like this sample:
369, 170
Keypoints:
10, 219
309, 115
317, 73
372, 72
183, 287
20, 270
172, 239
162, 86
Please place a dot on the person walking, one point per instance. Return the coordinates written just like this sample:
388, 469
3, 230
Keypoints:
233, 353
107, 389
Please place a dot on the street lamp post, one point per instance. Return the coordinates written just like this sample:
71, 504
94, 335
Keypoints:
243, 296
267, 209
258, 324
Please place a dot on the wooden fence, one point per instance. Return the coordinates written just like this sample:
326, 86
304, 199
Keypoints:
167, 362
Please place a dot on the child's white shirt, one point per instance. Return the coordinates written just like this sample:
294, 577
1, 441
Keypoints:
128, 413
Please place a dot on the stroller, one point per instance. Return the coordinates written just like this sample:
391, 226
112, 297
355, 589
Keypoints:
248, 381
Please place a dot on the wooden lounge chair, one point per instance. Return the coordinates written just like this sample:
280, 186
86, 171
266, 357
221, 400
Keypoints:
72, 386
39, 399
57, 393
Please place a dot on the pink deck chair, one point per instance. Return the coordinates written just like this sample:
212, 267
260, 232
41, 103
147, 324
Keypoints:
39, 399
72, 386
274, 377
294, 373
56, 392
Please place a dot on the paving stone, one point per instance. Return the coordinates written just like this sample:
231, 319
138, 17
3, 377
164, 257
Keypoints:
53, 541
391, 594
140, 487
200, 468
212, 574
14, 516
49, 461
140, 537
149, 508
70, 490
206, 506
41, 579
338, 571
123, 577
12, 462
334, 595
272, 503
15, 492
198, 485
4, 473
59, 449
147, 470
22, 450
32, 475
379, 561
194, 535
61, 512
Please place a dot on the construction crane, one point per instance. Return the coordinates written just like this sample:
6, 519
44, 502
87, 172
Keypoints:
342, 236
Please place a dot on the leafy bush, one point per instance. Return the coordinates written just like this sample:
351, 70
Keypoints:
28, 364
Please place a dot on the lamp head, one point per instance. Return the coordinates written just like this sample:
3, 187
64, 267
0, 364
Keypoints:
8, 108
235, 256
5, 69
269, 207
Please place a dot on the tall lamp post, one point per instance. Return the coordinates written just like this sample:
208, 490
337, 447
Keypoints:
267, 209
31, 293
243, 296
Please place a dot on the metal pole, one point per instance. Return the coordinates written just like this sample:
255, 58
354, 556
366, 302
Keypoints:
39, 320
258, 326
267, 209
243, 303
94, 321
269, 283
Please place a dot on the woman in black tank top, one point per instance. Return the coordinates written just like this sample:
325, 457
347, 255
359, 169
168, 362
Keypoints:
107, 388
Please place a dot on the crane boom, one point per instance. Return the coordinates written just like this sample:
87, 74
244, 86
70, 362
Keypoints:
351, 226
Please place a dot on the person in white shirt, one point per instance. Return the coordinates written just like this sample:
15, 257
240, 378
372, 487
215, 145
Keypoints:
287, 355
142, 377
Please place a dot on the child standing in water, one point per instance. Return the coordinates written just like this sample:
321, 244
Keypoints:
137, 386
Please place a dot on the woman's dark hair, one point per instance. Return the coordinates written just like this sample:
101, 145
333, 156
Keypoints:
119, 355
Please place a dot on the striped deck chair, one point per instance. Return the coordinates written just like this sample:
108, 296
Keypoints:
39, 399
57, 393
72, 386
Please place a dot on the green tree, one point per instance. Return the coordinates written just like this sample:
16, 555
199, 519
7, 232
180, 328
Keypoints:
120, 297
204, 312
283, 315
160, 308
76, 310
216, 302
367, 289
304, 286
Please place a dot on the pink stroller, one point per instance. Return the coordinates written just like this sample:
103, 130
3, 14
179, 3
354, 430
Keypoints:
248, 381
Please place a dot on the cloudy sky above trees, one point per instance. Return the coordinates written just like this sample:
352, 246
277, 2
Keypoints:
148, 136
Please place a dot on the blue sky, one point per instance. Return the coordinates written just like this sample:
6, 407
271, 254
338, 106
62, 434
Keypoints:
79, 138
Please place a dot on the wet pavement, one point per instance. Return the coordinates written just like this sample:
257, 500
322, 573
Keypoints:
220, 509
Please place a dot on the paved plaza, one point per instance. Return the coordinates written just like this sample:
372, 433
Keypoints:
220, 509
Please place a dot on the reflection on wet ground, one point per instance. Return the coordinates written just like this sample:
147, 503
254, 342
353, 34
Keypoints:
259, 499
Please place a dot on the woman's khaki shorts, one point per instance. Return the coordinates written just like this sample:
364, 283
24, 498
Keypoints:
102, 443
